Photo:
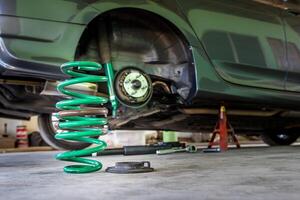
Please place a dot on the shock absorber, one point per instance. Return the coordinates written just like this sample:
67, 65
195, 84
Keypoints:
81, 118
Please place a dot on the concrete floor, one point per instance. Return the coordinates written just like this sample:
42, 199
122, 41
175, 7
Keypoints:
250, 173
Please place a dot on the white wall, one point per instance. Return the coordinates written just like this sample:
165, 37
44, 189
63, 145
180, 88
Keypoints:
12, 125
31, 125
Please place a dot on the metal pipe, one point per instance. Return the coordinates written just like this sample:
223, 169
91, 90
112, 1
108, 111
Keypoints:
254, 113
19, 82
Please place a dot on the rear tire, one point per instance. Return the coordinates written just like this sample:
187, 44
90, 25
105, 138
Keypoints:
279, 137
36, 140
48, 132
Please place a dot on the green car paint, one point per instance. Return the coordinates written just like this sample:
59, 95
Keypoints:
235, 36
235, 43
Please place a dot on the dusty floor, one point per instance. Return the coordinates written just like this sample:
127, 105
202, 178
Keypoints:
250, 173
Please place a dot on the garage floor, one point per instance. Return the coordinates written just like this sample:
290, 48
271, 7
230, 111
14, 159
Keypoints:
250, 173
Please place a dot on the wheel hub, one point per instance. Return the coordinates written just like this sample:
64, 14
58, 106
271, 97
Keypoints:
136, 85
133, 87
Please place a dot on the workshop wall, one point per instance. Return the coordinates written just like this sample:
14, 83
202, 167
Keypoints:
12, 125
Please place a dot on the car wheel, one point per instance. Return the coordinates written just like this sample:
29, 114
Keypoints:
35, 140
47, 131
280, 137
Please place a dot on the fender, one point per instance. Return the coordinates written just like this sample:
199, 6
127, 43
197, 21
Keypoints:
171, 14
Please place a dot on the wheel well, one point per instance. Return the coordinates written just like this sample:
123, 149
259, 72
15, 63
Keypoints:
145, 40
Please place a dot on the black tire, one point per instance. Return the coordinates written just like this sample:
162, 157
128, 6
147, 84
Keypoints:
36, 140
283, 137
47, 132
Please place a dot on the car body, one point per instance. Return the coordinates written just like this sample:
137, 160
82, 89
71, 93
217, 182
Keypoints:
200, 53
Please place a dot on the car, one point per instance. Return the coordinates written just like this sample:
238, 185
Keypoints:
193, 56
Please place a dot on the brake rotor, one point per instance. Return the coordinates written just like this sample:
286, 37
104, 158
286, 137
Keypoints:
133, 87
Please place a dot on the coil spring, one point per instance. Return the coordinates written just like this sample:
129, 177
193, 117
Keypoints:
78, 119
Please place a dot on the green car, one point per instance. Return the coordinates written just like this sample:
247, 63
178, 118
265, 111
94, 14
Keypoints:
191, 56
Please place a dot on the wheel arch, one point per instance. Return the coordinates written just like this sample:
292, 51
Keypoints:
172, 21
173, 15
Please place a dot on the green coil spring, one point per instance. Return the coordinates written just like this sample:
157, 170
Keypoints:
79, 117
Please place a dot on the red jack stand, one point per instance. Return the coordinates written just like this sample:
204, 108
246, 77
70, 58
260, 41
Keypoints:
223, 127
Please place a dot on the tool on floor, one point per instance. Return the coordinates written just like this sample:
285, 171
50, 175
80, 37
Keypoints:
140, 149
79, 116
130, 167
211, 150
151, 149
188, 148
222, 128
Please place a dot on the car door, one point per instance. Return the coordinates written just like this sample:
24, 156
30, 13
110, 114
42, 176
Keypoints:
243, 38
292, 28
